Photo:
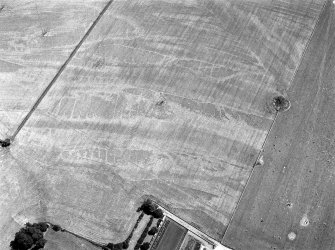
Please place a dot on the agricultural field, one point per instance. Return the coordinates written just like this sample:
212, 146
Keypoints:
289, 203
36, 39
63, 240
167, 99
172, 237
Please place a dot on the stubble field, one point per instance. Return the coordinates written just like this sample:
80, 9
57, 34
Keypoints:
169, 99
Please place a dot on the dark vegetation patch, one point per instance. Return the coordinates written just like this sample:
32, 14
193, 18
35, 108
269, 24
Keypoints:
56, 228
145, 246
30, 237
5, 143
153, 231
280, 103
151, 209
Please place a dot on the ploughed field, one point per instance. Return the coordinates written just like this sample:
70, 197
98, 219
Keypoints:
170, 99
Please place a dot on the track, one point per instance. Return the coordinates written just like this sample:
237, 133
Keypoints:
60, 71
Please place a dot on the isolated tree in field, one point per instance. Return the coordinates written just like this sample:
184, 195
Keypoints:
145, 246
153, 231
280, 103
5, 143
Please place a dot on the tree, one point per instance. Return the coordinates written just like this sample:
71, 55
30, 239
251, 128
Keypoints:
145, 246
153, 231
30, 237
5, 143
22, 241
148, 207
110, 245
39, 244
118, 246
158, 214
37, 235
125, 244
43, 226
280, 103
56, 228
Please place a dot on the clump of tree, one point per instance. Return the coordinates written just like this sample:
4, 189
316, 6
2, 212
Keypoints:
144, 234
153, 231
158, 213
150, 208
117, 246
30, 237
145, 246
